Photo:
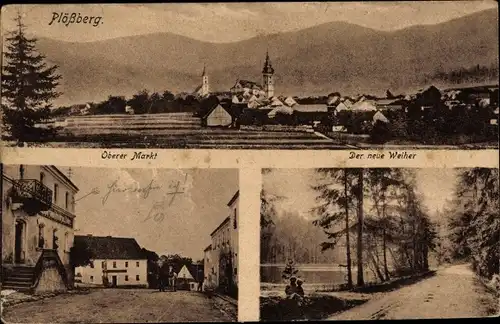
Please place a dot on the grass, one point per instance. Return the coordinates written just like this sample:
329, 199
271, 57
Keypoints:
314, 308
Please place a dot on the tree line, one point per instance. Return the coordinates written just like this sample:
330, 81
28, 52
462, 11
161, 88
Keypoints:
476, 73
474, 222
375, 217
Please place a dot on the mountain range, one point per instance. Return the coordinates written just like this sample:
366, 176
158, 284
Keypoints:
336, 56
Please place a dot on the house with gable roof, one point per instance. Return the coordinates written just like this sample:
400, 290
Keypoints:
116, 262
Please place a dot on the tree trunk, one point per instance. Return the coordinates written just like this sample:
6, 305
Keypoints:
384, 237
384, 247
347, 235
359, 249
377, 269
426, 258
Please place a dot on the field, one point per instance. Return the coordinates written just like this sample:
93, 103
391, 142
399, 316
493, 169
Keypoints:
176, 130
182, 130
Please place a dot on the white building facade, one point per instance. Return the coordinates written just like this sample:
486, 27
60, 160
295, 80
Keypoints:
38, 215
117, 262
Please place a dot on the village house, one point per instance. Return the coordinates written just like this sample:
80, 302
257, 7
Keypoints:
207, 264
189, 276
38, 221
117, 262
223, 252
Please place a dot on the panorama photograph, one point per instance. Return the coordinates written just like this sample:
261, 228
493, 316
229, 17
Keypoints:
330, 75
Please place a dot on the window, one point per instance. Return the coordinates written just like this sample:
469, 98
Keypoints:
126, 264
21, 171
41, 240
56, 187
42, 177
137, 264
92, 264
55, 245
66, 200
114, 264
91, 278
103, 264
137, 277
126, 278
66, 242
235, 224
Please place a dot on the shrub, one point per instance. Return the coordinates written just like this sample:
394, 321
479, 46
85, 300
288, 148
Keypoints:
380, 132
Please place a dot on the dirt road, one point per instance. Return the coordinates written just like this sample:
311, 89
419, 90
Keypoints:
119, 306
452, 293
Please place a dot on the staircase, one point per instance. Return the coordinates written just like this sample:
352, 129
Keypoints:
19, 278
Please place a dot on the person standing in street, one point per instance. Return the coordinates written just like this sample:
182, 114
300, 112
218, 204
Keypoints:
172, 276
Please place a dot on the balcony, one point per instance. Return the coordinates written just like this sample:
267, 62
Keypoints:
33, 194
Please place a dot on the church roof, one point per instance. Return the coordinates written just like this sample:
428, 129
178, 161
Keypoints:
248, 84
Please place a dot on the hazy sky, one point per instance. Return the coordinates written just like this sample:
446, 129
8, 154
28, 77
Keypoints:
435, 185
227, 22
187, 222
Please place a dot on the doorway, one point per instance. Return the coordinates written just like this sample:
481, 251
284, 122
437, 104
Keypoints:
114, 281
19, 242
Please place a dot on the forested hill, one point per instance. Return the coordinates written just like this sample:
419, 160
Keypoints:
335, 56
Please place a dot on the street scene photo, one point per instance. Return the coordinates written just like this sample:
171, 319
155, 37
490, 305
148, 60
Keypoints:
328, 76
111, 245
379, 243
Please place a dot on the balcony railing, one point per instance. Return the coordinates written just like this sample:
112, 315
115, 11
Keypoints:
32, 189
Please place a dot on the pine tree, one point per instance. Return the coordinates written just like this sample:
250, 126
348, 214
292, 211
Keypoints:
28, 86
334, 209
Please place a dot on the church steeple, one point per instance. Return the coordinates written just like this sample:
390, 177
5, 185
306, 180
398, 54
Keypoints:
267, 77
268, 67
204, 85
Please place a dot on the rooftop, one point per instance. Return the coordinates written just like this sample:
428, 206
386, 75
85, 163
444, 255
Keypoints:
108, 247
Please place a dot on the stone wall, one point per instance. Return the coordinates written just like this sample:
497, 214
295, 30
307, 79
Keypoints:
50, 281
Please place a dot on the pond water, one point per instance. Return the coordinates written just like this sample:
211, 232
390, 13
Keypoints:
318, 275
311, 274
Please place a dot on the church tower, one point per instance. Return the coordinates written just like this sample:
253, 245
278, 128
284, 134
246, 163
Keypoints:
268, 77
204, 85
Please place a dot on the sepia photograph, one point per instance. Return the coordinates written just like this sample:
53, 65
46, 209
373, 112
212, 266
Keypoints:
379, 243
111, 245
329, 76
